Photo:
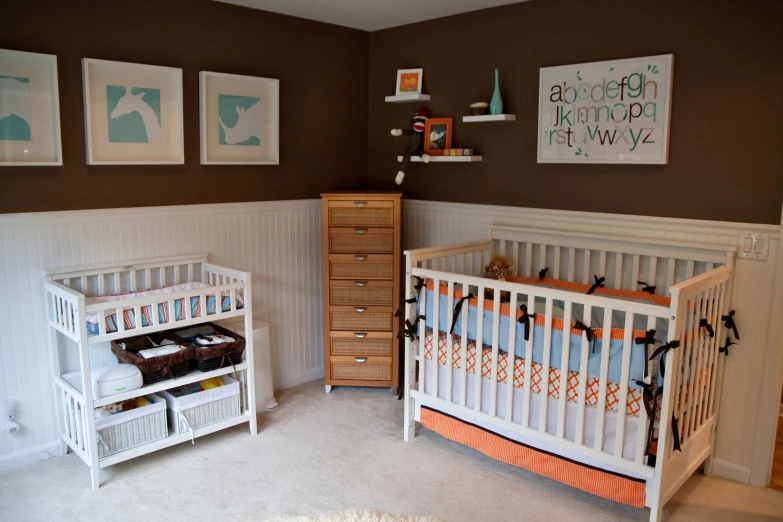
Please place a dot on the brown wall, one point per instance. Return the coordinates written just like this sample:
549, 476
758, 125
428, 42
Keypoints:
726, 153
323, 82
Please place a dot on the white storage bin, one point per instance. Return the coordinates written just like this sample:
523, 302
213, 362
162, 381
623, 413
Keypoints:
128, 429
193, 411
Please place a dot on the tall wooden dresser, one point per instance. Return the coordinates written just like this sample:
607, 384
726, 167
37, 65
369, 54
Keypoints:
362, 253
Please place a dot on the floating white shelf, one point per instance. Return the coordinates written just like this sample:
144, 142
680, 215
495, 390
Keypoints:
405, 98
444, 159
489, 117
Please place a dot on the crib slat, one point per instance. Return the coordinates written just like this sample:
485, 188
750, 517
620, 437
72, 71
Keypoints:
423, 339
71, 419
710, 266
493, 394
566, 348
641, 431
635, 271
134, 280
232, 300
83, 285
556, 268
586, 275
653, 267
582, 394
571, 263
66, 415
120, 316
190, 272
137, 317
544, 392
479, 348
622, 400
463, 345
516, 270
541, 257
528, 259
117, 283
602, 264
701, 367
436, 336
689, 270
603, 379
148, 279
449, 345
697, 361
502, 247
173, 311
618, 270
531, 306
78, 422
101, 290
690, 336
670, 276
713, 373
176, 274
511, 356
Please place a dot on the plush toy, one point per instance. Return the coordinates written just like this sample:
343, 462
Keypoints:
415, 141
497, 269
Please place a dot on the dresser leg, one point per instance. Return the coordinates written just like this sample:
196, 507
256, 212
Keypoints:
328, 388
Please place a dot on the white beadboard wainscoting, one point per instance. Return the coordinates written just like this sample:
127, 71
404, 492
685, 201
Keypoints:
751, 386
279, 242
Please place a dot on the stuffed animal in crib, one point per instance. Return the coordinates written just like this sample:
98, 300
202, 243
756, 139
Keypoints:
415, 141
497, 269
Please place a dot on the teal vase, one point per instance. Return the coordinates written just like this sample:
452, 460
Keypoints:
496, 105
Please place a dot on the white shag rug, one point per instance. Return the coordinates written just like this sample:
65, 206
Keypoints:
354, 515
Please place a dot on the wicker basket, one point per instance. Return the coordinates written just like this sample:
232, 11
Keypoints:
191, 412
212, 357
128, 429
158, 368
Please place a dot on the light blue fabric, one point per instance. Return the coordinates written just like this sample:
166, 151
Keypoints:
575, 347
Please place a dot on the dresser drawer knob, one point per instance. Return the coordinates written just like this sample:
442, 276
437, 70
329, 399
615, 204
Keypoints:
360, 309
361, 231
360, 359
360, 283
360, 335
360, 203
360, 257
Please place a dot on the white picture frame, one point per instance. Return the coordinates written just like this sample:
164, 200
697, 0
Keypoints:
401, 79
239, 119
132, 113
30, 133
568, 97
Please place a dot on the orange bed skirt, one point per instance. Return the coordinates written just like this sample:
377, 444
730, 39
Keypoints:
603, 483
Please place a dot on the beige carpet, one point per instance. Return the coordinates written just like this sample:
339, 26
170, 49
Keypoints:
322, 454
354, 515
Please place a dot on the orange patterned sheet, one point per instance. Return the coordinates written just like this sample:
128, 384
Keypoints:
634, 398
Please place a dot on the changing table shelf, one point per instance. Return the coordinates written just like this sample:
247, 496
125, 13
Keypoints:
172, 439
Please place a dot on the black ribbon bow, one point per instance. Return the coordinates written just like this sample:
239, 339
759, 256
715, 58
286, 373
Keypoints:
648, 339
410, 328
419, 284
599, 283
542, 273
725, 349
730, 323
649, 289
650, 399
579, 325
704, 324
525, 319
458, 309
662, 351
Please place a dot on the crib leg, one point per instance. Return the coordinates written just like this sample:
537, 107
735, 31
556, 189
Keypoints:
328, 388
656, 512
95, 476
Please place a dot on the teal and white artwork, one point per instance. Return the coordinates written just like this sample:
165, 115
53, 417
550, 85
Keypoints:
240, 120
134, 114
15, 109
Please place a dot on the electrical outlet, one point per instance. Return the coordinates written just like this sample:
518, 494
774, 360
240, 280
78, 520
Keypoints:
754, 245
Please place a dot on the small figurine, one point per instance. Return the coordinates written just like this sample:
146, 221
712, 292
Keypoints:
415, 141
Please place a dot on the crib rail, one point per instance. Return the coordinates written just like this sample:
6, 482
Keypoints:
499, 407
73, 414
461, 258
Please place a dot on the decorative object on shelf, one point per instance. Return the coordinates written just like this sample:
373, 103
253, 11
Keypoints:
409, 81
437, 135
133, 113
29, 109
479, 108
496, 103
239, 119
606, 112
415, 141
458, 152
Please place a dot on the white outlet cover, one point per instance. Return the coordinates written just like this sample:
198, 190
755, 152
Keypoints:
754, 245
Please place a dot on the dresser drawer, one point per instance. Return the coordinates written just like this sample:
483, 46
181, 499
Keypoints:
369, 266
372, 319
361, 368
361, 241
361, 343
361, 213
367, 293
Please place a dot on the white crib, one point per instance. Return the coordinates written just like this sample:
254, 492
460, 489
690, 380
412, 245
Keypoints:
697, 279
66, 293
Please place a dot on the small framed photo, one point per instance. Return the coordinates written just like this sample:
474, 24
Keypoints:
132, 113
29, 110
239, 119
409, 81
437, 136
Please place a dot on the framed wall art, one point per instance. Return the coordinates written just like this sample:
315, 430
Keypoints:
239, 119
29, 109
616, 111
132, 113
409, 81
437, 135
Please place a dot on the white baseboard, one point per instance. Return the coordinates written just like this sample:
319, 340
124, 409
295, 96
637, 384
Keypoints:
29, 456
731, 471
289, 381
